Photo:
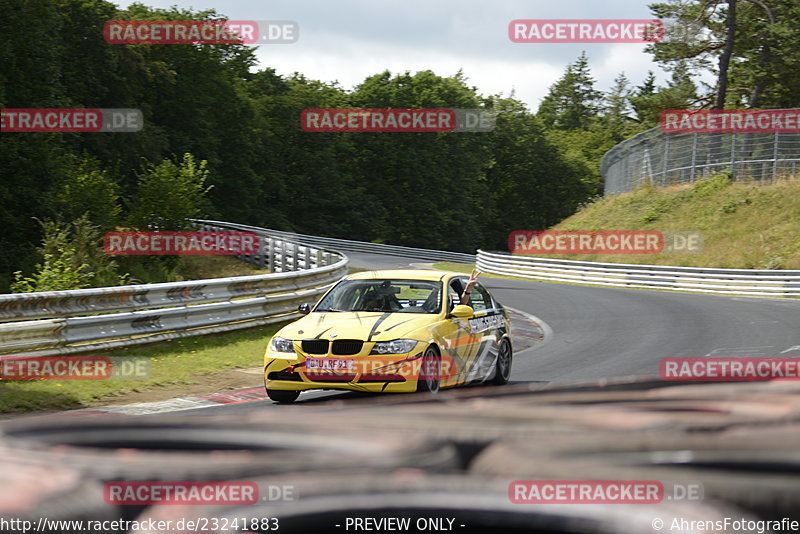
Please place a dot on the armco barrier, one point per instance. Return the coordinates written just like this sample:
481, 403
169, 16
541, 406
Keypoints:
694, 279
65, 322
344, 245
111, 317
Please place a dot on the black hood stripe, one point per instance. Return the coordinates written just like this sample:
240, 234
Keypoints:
377, 324
318, 336
398, 324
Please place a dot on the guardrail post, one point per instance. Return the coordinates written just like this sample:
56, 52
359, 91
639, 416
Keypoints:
262, 260
270, 244
280, 261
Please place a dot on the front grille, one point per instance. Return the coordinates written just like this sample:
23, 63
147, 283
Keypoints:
347, 347
381, 378
284, 375
315, 346
327, 376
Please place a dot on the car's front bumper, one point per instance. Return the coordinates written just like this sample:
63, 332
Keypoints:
395, 373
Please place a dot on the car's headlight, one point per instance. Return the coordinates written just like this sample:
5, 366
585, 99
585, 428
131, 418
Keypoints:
279, 344
398, 346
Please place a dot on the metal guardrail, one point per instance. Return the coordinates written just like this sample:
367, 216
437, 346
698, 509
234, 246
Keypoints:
346, 245
66, 322
86, 319
695, 279
660, 158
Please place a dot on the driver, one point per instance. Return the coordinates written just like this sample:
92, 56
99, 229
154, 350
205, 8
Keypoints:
373, 301
382, 298
464, 298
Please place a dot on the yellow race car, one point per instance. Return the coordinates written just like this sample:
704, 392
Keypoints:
392, 331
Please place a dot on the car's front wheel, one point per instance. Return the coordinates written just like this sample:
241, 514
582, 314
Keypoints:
430, 371
502, 371
282, 396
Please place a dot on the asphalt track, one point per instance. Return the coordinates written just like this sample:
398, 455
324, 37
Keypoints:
596, 332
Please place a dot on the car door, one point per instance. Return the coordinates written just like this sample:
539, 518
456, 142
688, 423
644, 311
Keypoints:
486, 328
460, 346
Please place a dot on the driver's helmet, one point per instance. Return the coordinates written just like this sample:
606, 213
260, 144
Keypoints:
373, 301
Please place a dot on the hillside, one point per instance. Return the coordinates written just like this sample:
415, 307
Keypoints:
744, 225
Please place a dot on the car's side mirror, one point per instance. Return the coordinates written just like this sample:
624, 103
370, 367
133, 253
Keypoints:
304, 308
462, 311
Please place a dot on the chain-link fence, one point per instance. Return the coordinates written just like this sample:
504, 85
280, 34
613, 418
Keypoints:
671, 158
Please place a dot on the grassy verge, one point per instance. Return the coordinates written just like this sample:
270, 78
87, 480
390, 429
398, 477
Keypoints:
744, 225
173, 364
202, 267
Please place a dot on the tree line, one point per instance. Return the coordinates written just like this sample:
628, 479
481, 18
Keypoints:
222, 139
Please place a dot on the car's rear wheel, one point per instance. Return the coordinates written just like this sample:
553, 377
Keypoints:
502, 371
282, 396
430, 371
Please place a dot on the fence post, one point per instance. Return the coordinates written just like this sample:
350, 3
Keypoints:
775, 153
694, 157
733, 156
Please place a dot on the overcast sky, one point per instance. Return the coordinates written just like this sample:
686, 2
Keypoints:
348, 40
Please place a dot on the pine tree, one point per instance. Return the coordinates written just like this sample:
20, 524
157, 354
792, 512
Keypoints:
617, 108
572, 101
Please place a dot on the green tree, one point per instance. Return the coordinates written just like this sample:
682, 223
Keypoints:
428, 187
309, 181
92, 191
531, 182
64, 266
572, 102
56, 273
751, 46
616, 117
30, 163
169, 193
680, 93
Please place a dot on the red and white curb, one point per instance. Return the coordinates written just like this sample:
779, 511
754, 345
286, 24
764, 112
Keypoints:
234, 396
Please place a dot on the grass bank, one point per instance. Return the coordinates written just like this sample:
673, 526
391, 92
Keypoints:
744, 225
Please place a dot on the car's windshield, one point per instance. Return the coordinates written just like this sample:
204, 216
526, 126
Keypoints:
383, 295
